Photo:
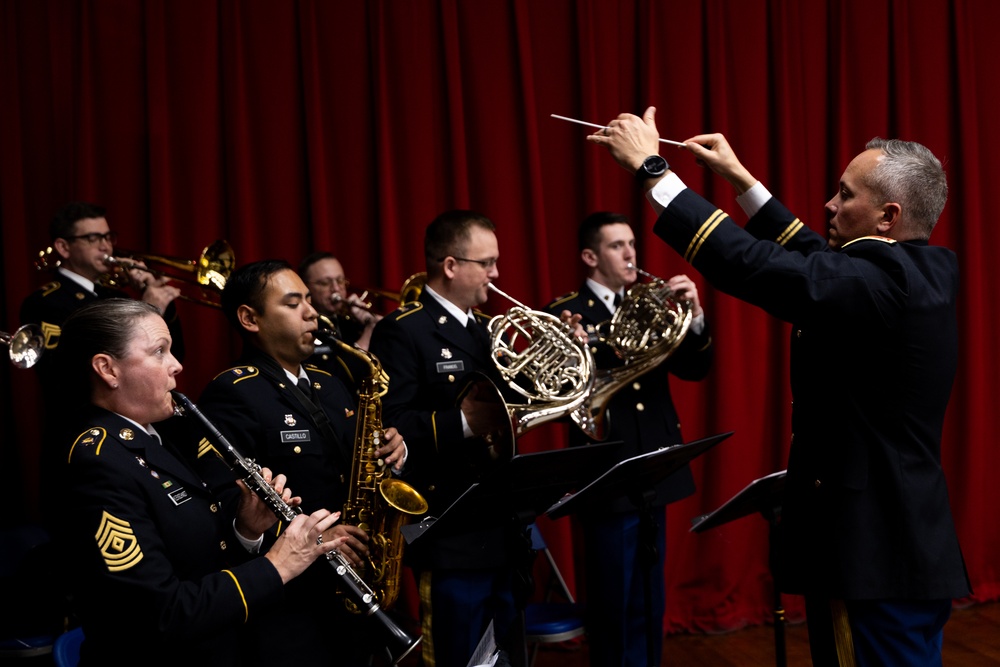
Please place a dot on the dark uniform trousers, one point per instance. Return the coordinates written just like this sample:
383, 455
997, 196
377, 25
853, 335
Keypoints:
642, 418
255, 408
866, 517
158, 574
465, 581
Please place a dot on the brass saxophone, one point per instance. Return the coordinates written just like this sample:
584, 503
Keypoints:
376, 502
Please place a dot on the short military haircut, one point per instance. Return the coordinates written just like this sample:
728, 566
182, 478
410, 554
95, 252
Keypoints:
246, 287
63, 224
910, 175
589, 233
448, 235
309, 260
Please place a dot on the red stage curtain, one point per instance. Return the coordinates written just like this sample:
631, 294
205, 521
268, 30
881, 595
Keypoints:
286, 127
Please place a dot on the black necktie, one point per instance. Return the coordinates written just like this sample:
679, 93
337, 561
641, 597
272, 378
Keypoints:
477, 331
617, 300
306, 388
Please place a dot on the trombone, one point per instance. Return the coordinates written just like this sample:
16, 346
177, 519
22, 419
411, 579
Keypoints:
211, 270
25, 345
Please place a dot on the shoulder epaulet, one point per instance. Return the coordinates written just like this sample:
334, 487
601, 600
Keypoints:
90, 440
408, 309
883, 239
563, 299
316, 369
238, 373
49, 288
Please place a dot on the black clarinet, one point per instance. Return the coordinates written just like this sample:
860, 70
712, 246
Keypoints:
399, 643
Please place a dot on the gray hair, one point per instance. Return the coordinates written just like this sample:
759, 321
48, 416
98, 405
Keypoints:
910, 175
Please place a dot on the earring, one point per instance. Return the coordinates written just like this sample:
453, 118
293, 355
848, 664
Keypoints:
114, 386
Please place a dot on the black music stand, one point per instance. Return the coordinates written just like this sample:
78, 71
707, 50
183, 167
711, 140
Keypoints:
763, 495
512, 495
636, 478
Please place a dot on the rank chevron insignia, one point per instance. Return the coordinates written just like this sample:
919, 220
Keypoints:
117, 543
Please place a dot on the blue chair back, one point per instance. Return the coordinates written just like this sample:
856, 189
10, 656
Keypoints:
66, 650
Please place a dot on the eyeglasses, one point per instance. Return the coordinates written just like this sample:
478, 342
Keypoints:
485, 263
330, 282
95, 238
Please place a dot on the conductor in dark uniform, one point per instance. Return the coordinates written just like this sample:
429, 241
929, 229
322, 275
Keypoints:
299, 419
643, 418
867, 533
163, 570
429, 348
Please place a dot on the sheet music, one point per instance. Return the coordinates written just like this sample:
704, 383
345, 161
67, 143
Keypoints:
486, 653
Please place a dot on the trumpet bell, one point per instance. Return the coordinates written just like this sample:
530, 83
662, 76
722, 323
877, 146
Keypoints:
25, 345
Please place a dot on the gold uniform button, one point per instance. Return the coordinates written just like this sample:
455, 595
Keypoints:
593, 350
451, 378
640, 407
817, 483
297, 449
636, 386
798, 333
214, 508
223, 545
431, 487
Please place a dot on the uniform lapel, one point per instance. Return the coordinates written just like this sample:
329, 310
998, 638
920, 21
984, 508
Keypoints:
449, 330
158, 458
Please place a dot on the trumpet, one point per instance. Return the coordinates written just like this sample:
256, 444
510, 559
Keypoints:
25, 346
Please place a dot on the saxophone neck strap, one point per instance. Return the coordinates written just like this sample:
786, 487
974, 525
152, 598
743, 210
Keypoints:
317, 415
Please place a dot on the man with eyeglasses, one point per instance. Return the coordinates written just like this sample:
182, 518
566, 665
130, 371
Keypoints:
81, 239
429, 348
324, 275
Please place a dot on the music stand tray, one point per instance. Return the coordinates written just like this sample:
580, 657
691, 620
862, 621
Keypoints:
761, 495
637, 473
523, 487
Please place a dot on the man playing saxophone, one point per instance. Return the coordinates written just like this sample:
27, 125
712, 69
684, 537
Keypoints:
280, 411
643, 418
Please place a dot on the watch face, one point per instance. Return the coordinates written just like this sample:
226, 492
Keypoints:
655, 165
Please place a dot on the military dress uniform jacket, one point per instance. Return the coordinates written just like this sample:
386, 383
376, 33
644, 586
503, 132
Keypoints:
428, 356
873, 356
642, 415
254, 407
50, 306
159, 575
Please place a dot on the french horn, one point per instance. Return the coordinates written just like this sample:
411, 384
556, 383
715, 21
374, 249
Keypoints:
647, 327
